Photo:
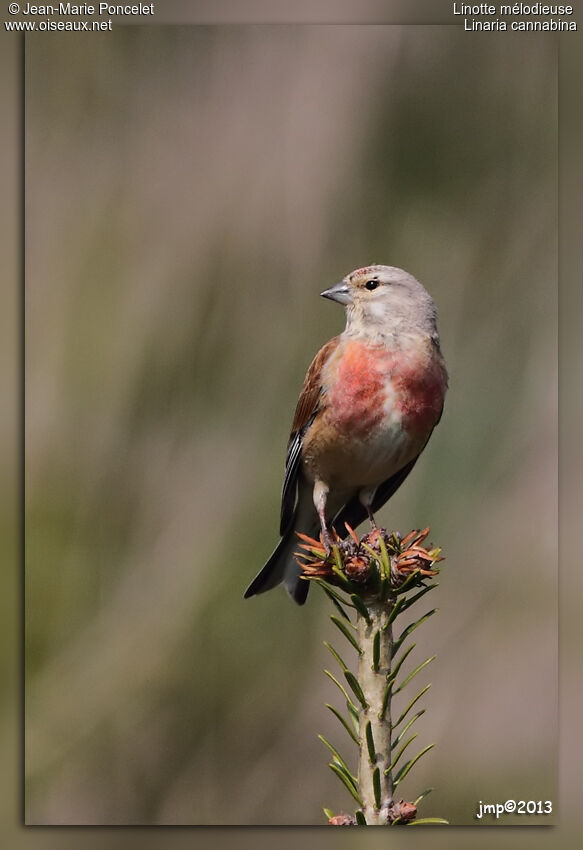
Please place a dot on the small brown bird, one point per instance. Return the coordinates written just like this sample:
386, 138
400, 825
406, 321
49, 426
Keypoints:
370, 400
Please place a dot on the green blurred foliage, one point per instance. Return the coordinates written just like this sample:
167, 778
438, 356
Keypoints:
189, 192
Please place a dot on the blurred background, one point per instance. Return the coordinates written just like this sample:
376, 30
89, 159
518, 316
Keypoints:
189, 192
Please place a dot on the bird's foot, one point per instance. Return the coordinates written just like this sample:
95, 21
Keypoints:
327, 541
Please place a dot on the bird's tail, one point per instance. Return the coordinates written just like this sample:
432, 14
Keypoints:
282, 567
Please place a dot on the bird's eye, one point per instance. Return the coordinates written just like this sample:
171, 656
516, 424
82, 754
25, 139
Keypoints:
371, 284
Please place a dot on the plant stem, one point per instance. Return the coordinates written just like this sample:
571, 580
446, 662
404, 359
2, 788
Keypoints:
374, 684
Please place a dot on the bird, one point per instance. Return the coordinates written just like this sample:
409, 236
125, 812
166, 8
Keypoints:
369, 403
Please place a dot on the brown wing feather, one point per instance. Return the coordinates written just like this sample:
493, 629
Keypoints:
310, 395
308, 406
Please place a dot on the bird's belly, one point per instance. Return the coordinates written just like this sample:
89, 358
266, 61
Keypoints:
388, 448
349, 462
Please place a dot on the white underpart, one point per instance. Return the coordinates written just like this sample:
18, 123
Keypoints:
383, 454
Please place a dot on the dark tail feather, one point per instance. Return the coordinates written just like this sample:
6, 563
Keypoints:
281, 567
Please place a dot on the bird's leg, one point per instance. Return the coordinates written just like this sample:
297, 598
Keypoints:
366, 497
320, 495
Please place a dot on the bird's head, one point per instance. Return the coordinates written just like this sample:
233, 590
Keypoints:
382, 301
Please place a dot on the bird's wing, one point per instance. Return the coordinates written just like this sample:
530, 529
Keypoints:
310, 404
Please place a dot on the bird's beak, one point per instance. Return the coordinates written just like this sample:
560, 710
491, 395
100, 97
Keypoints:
339, 292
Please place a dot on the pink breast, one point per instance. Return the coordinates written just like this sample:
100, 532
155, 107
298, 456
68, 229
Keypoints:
357, 394
420, 389
366, 378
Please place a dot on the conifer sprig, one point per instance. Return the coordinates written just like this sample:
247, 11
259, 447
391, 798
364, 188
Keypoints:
372, 582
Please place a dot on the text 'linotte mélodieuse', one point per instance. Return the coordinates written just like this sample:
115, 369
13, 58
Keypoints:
549, 18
